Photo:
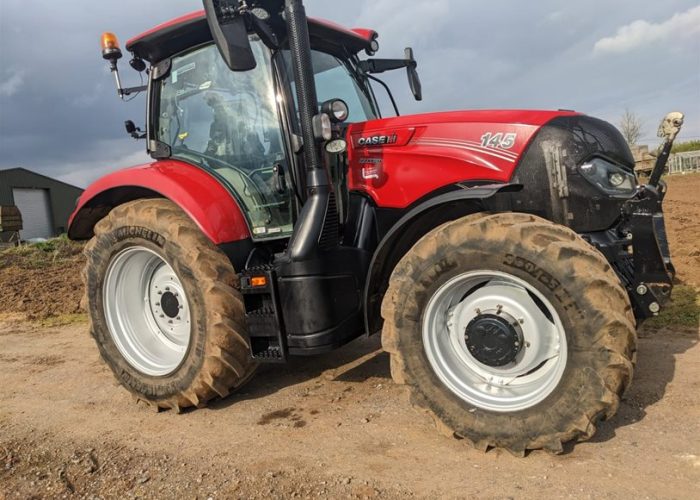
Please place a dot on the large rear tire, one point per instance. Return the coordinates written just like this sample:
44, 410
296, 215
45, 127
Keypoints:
164, 307
511, 331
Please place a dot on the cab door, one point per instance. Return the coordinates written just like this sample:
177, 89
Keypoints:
228, 123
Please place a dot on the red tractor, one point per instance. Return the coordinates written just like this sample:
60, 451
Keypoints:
506, 257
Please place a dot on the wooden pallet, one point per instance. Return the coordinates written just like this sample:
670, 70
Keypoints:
10, 219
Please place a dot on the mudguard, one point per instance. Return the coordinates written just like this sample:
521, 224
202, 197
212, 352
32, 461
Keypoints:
419, 221
198, 193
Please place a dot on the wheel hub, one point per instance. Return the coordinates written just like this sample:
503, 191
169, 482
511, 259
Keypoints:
170, 305
494, 339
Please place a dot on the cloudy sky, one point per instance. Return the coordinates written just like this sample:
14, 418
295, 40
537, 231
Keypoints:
59, 114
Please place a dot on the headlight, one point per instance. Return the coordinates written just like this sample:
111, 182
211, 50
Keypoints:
336, 109
608, 177
323, 128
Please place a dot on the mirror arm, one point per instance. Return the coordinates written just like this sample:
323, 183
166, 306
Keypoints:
262, 29
375, 66
133, 90
388, 91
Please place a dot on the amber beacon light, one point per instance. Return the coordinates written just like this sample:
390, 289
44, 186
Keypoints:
110, 47
112, 53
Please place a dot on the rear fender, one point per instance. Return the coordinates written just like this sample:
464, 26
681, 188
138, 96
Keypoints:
198, 193
413, 226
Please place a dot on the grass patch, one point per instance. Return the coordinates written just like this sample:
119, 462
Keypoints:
683, 310
41, 255
62, 320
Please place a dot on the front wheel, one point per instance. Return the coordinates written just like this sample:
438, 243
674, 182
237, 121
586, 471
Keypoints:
164, 308
511, 331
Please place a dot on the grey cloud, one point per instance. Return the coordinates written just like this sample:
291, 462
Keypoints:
59, 113
12, 84
641, 32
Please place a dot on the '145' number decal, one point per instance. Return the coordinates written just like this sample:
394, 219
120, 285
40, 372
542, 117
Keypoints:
498, 141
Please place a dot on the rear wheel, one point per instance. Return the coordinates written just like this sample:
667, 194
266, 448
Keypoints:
164, 308
511, 331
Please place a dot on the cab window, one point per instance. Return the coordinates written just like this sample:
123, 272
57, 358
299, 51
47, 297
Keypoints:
227, 122
336, 80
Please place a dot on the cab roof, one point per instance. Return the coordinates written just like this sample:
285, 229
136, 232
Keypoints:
190, 30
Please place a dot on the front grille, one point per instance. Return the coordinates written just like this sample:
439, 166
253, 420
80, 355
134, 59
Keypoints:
571, 141
624, 267
583, 137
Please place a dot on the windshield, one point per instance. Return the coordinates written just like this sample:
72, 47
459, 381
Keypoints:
227, 123
335, 79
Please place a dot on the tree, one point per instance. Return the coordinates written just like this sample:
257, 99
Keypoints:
631, 127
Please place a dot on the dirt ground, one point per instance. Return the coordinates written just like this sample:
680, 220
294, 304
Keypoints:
682, 206
42, 281
335, 426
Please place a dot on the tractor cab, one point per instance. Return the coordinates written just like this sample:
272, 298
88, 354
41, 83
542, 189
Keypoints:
244, 126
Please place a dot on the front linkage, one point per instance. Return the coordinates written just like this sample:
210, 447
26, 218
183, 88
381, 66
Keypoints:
643, 259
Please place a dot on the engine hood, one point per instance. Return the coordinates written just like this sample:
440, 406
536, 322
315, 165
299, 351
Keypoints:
399, 160
509, 116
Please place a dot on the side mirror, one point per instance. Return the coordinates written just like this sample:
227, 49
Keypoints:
413, 77
230, 32
133, 130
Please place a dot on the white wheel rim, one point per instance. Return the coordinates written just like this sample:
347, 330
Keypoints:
147, 311
536, 370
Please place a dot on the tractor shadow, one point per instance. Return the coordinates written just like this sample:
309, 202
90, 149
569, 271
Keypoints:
661, 341
357, 362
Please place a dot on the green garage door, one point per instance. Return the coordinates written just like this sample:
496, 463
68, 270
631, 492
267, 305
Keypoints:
36, 212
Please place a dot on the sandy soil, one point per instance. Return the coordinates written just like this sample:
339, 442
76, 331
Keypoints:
334, 426
682, 206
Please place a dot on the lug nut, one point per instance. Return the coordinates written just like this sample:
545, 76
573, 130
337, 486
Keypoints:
654, 307
642, 290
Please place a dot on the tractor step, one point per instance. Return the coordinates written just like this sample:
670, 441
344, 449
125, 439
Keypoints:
268, 340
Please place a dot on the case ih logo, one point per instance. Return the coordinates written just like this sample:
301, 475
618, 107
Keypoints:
377, 140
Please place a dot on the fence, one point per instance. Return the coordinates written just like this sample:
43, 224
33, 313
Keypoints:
684, 163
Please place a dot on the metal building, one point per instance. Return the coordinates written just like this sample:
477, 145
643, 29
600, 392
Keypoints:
44, 203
